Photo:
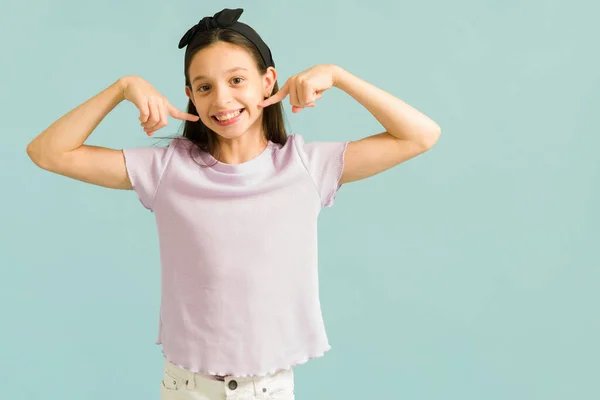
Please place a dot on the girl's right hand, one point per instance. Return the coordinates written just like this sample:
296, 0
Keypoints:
154, 107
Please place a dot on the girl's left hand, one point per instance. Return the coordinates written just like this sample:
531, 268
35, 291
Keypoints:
305, 88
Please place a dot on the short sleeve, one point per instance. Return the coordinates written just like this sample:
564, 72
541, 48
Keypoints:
324, 162
145, 167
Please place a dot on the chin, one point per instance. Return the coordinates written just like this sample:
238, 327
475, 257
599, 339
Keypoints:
228, 135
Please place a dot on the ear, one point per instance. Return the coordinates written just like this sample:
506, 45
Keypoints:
188, 93
269, 79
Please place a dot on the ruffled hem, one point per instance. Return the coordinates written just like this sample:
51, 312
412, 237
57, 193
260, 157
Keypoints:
249, 374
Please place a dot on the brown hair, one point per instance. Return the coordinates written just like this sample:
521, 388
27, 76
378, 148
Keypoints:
204, 138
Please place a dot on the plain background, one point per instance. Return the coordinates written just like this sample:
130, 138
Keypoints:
469, 272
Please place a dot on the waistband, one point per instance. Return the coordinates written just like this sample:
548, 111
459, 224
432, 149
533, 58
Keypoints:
277, 383
183, 373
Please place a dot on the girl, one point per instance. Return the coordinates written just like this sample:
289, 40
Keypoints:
236, 202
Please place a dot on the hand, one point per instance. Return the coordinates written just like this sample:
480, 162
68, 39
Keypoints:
154, 107
305, 87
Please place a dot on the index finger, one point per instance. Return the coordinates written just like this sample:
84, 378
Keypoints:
175, 113
277, 97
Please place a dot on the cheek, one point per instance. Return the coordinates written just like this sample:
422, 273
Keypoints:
253, 95
201, 108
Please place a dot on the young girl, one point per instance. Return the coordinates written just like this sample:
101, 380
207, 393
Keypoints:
236, 202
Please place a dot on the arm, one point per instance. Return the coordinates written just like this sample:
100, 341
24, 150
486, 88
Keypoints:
61, 149
408, 131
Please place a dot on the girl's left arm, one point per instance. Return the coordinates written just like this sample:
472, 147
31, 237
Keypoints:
408, 131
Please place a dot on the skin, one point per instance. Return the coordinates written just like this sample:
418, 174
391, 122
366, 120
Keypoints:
219, 90
61, 148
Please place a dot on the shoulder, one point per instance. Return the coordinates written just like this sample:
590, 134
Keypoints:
295, 143
157, 154
317, 149
180, 143
179, 148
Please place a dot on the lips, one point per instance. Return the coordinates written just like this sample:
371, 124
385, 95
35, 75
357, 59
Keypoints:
225, 113
231, 120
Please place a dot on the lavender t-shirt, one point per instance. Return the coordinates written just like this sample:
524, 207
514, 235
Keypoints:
238, 249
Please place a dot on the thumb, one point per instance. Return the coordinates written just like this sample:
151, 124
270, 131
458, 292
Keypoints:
176, 113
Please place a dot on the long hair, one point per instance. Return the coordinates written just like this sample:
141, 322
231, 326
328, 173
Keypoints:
204, 138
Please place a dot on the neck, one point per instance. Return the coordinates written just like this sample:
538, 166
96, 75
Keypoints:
241, 149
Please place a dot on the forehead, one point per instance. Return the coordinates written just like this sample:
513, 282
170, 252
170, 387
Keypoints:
215, 60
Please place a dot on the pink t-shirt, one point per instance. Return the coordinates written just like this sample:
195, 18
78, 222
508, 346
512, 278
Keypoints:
238, 249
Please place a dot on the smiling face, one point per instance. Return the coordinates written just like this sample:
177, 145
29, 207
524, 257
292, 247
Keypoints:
226, 88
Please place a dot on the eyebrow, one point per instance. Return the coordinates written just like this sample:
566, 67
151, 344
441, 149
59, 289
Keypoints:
228, 71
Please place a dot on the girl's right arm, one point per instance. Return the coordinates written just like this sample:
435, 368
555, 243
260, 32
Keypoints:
61, 149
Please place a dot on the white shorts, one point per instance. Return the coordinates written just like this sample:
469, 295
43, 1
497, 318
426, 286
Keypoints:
181, 384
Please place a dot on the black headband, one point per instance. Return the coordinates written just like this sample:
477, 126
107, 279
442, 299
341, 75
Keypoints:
227, 18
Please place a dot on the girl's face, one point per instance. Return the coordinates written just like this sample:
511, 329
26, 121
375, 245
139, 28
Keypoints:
224, 78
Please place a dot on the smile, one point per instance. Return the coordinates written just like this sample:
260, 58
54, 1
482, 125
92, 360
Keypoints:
228, 117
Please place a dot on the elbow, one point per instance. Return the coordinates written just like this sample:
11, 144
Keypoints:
430, 139
35, 153
32, 152
437, 135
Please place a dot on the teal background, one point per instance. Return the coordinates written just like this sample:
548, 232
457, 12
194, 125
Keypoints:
469, 272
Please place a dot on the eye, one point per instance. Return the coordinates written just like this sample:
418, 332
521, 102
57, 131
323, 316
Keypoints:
232, 80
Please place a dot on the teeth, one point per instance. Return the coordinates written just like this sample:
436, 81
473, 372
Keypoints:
229, 116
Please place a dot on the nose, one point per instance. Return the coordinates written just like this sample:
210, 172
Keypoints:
222, 95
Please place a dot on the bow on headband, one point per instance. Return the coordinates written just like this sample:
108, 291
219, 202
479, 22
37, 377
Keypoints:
222, 19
